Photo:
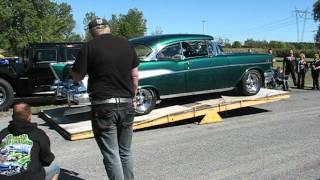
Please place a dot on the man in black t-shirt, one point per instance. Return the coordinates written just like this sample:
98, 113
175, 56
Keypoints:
112, 66
289, 66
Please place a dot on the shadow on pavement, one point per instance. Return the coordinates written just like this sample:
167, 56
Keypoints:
242, 112
69, 175
224, 115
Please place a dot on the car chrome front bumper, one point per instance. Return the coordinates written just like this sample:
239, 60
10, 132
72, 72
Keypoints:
76, 94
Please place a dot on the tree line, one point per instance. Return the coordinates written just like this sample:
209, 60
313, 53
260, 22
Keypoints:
251, 43
31, 21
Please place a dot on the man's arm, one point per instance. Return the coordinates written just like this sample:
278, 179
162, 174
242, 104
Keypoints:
79, 68
46, 156
135, 79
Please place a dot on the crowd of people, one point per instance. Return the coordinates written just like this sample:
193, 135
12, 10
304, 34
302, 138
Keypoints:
297, 68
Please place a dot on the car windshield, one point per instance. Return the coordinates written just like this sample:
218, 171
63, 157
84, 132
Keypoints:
142, 51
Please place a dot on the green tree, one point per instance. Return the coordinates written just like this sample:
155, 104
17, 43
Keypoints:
128, 25
317, 36
27, 21
249, 43
277, 44
316, 17
114, 23
236, 44
89, 16
255, 44
74, 37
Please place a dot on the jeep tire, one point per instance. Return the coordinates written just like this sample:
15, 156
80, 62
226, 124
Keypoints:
6, 95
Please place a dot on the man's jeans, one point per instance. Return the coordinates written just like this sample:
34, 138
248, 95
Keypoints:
51, 171
112, 128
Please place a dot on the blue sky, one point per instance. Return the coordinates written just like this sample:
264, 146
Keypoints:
236, 20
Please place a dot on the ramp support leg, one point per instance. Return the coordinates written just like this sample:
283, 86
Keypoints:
211, 117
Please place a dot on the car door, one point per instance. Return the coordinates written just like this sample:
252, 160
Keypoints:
199, 70
40, 74
166, 72
221, 67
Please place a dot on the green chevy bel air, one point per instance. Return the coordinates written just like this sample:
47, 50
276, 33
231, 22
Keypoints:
181, 65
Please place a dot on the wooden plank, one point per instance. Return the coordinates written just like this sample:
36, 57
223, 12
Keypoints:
81, 135
158, 113
78, 126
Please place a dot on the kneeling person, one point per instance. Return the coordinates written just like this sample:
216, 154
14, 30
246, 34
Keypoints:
25, 149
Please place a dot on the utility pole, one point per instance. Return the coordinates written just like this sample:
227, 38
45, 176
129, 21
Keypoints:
297, 24
301, 14
203, 22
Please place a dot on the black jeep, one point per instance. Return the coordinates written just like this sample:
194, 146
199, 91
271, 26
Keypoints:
30, 74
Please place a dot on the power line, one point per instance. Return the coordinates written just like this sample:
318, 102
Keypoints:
267, 27
270, 24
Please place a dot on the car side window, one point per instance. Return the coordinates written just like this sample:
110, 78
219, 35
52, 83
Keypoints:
214, 49
211, 50
170, 52
71, 53
195, 48
43, 55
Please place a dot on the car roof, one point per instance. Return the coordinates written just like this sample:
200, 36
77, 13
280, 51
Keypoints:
153, 41
55, 44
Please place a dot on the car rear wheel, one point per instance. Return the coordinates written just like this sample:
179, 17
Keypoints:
251, 83
6, 94
146, 101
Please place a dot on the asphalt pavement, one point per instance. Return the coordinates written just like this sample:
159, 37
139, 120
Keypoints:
279, 140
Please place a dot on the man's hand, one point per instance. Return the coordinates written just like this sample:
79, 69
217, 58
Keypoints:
134, 103
75, 76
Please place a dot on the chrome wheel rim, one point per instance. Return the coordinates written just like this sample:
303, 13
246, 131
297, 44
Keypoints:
144, 100
252, 83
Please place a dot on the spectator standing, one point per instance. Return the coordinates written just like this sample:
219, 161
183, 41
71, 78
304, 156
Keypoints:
112, 66
271, 53
315, 69
302, 68
25, 149
289, 66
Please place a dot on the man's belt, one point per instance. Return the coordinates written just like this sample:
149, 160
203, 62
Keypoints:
111, 101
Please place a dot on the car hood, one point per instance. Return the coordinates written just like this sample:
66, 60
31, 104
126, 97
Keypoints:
61, 70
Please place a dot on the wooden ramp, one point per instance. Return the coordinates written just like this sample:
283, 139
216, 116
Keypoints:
78, 126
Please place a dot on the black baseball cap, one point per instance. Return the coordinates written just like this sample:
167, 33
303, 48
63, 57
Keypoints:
97, 22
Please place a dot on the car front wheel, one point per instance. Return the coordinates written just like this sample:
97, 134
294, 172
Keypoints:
251, 83
146, 101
